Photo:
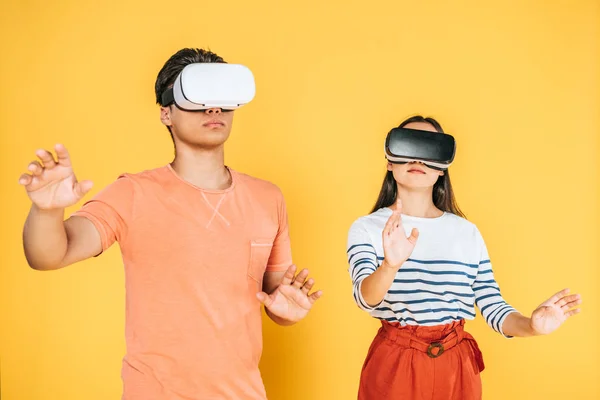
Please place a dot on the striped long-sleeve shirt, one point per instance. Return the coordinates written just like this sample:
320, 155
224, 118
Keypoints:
448, 273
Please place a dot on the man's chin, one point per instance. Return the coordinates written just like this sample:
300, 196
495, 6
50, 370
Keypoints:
212, 143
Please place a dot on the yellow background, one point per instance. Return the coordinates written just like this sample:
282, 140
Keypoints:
517, 83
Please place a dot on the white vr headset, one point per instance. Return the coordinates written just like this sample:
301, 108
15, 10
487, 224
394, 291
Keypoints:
201, 86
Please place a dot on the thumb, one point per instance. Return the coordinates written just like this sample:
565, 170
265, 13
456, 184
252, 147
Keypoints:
81, 188
264, 298
414, 235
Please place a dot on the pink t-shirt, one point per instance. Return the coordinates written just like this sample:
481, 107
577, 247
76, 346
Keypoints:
194, 260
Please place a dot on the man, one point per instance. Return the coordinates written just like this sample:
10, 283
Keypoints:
203, 246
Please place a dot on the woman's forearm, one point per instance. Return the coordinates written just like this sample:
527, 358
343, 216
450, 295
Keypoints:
517, 325
375, 286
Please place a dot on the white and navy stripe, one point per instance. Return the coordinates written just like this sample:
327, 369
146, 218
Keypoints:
448, 274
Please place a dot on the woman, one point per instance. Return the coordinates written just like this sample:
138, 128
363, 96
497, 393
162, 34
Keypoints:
421, 268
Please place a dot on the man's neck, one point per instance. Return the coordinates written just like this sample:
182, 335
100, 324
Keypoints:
203, 168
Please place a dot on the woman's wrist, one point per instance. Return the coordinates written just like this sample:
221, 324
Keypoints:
394, 267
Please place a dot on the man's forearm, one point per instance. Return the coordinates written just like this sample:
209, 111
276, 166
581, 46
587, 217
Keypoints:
375, 286
45, 238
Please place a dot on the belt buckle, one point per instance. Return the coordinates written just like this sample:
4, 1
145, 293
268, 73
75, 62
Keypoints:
433, 346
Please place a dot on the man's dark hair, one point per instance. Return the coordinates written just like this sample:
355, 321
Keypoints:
174, 65
178, 61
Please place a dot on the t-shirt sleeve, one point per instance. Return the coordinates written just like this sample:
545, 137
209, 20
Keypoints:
110, 211
362, 261
281, 253
488, 298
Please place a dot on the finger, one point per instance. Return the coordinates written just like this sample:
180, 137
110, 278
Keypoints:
397, 223
81, 188
396, 220
63, 155
300, 278
399, 220
389, 224
25, 179
394, 223
264, 298
571, 304
315, 296
557, 296
308, 285
414, 235
567, 299
35, 168
289, 275
46, 158
572, 312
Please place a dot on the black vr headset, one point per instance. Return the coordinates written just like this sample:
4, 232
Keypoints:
434, 149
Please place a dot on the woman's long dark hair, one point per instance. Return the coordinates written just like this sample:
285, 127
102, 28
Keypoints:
443, 195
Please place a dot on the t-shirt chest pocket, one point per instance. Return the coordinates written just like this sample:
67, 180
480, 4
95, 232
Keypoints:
260, 251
